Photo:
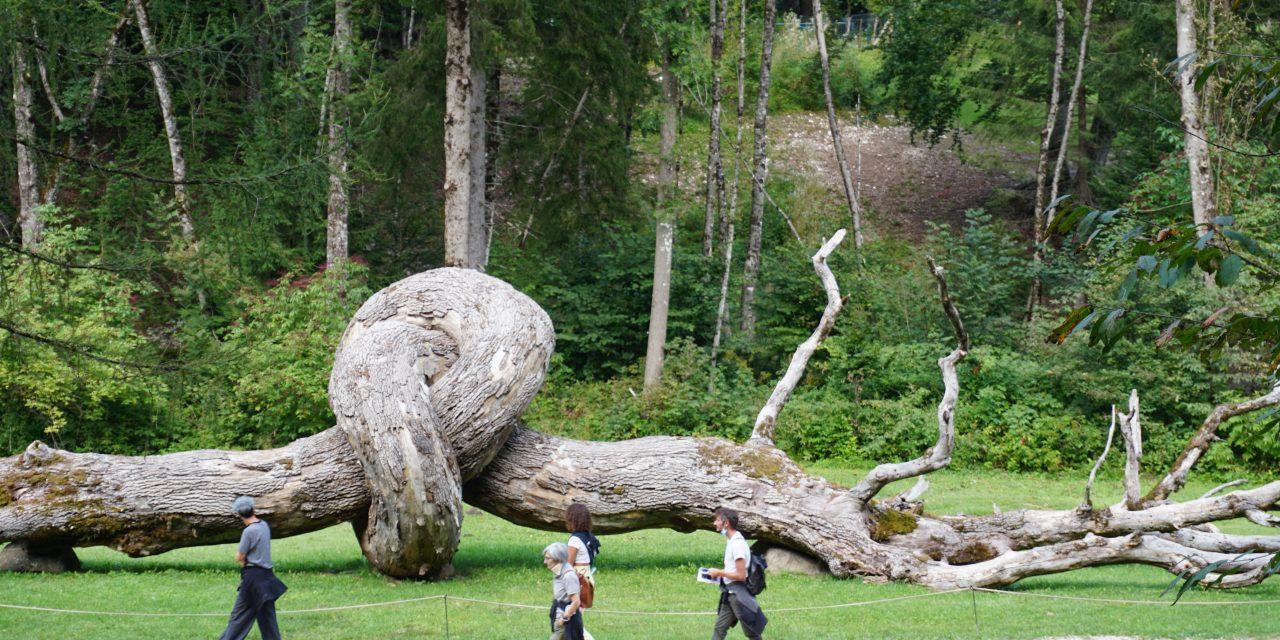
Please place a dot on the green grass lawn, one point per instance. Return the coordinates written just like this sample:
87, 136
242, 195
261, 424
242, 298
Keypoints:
642, 571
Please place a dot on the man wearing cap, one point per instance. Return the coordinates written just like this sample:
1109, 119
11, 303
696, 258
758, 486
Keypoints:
259, 586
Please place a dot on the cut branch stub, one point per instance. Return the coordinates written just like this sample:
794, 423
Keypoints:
426, 385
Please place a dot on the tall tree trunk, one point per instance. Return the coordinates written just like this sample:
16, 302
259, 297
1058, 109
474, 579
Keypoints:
177, 156
850, 196
663, 236
1046, 139
477, 207
337, 85
457, 135
715, 166
729, 215
1072, 98
1204, 208
28, 172
760, 160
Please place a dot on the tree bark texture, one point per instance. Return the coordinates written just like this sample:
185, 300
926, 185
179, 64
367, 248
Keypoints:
664, 229
177, 157
337, 85
760, 160
457, 135
25, 129
850, 196
428, 385
1203, 205
714, 198
659, 305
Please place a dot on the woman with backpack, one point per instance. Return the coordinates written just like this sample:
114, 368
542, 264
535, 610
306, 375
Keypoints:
583, 548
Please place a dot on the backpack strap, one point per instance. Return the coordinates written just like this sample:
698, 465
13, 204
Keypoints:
591, 543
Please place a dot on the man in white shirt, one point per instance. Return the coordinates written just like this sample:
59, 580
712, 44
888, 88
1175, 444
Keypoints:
736, 603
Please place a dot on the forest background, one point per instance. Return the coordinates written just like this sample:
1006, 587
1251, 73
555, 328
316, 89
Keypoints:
159, 311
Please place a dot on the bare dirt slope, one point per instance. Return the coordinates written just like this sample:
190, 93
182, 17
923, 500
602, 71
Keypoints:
903, 184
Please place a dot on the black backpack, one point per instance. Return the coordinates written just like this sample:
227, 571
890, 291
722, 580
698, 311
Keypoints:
755, 574
591, 543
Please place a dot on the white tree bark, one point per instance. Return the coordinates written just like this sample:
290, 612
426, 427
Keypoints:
659, 306
1066, 126
851, 197
1131, 431
767, 419
729, 214
28, 171
1203, 203
337, 85
665, 230
714, 197
760, 160
177, 156
457, 135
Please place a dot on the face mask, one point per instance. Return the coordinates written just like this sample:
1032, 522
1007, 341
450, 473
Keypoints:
724, 531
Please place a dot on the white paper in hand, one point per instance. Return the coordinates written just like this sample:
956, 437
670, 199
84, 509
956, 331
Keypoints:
703, 577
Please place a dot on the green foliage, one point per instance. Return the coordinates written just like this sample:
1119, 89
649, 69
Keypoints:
919, 70
266, 381
79, 374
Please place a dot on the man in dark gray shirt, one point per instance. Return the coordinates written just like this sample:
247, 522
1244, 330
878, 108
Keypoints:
259, 586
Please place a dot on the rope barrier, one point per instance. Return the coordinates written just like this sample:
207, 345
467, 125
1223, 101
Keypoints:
1051, 596
194, 614
594, 611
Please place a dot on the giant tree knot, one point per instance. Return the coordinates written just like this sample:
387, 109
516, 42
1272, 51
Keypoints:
427, 384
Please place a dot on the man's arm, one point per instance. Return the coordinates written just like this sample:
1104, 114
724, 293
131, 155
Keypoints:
241, 558
739, 572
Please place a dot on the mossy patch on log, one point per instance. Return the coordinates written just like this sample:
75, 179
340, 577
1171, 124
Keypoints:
973, 553
889, 522
756, 462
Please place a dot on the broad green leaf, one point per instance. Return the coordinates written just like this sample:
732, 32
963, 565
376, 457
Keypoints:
1229, 270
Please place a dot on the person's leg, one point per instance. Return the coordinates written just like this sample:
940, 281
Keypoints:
724, 620
241, 620
737, 609
267, 625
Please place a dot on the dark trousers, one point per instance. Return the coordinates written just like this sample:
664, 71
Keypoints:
727, 616
243, 615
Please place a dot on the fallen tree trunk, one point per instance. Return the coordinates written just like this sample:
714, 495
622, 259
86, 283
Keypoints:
479, 349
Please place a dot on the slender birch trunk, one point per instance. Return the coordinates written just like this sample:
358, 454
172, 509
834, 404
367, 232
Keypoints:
337, 85
176, 155
28, 172
457, 135
1046, 137
1066, 126
751, 269
1203, 206
665, 232
729, 215
715, 165
851, 197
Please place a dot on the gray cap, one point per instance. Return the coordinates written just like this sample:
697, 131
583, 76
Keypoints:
243, 506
